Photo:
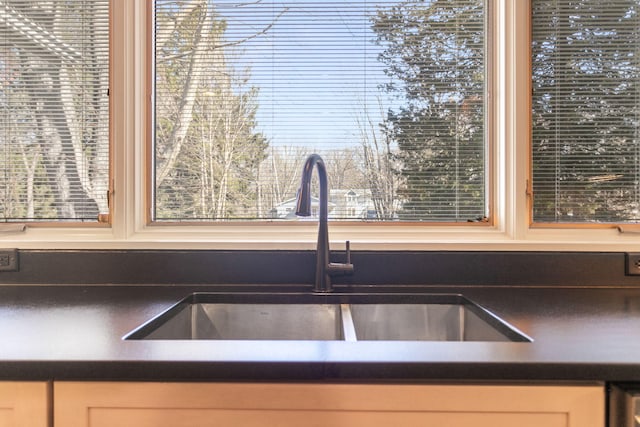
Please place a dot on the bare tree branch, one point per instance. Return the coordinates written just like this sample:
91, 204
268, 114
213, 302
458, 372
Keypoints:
188, 96
254, 35
37, 35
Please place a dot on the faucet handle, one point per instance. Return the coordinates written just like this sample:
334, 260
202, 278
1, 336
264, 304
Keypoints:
336, 268
348, 250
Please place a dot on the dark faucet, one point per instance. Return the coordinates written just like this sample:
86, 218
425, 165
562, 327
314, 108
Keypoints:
324, 267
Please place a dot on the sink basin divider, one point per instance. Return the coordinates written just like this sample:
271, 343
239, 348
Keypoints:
348, 327
194, 321
462, 322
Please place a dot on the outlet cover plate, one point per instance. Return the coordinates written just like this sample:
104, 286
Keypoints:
633, 264
8, 260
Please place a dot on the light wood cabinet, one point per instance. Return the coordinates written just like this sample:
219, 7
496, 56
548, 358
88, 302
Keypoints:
24, 404
106, 404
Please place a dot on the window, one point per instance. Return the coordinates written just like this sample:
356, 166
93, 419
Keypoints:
586, 111
390, 93
435, 135
54, 108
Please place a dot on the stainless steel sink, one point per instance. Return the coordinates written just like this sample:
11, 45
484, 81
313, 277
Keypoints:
327, 317
422, 322
224, 321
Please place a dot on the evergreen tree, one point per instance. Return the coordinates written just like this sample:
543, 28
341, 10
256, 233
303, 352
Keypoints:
585, 111
434, 56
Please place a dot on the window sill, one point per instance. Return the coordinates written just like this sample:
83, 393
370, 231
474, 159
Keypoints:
303, 236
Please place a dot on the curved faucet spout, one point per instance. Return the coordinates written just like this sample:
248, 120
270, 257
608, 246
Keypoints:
324, 267
303, 203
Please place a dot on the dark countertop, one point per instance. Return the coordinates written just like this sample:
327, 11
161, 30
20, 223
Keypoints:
75, 332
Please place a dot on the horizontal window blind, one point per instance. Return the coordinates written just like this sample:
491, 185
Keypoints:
586, 100
54, 110
390, 93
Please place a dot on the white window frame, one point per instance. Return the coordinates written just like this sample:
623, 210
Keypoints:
511, 230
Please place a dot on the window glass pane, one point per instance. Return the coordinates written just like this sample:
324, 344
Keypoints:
54, 110
390, 93
586, 99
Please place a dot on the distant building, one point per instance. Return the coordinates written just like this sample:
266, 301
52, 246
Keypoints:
352, 204
287, 209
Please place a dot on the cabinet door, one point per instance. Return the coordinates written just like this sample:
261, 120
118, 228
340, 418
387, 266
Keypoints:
24, 404
230, 404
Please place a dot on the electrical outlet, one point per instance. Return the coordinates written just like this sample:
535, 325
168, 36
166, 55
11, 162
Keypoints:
633, 264
8, 260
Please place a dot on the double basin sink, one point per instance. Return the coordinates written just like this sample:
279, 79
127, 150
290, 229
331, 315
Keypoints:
327, 317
